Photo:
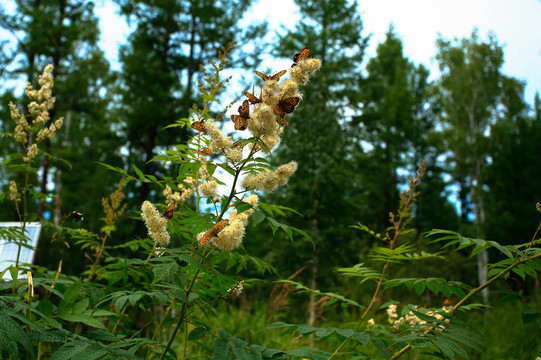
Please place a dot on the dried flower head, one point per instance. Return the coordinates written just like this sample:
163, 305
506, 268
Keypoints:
14, 192
155, 223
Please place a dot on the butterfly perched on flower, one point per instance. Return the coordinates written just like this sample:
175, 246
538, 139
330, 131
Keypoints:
237, 143
209, 235
205, 152
276, 76
303, 55
241, 120
76, 216
198, 125
168, 214
286, 106
252, 98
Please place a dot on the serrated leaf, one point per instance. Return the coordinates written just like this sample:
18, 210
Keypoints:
221, 349
70, 295
69, 350
362, 338
381, 348
197, 334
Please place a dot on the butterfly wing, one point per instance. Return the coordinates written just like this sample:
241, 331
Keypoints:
288, 105
241, 123
252, 98
168, 214
220, 225
261, 75
303, 55
244, 109
206, 238
279, 110
198, 125
278, 75
205, 152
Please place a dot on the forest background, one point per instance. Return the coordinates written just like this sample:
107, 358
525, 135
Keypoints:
365, 124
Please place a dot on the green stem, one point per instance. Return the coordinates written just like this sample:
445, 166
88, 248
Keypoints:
180, 319
398, 228
232, 193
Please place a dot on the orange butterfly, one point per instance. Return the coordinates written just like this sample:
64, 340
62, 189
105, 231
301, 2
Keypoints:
303, 55
209, 235
198, 125
241, 120
205, 152
276, 76
168, 214
286, 106
237, 143
253, 99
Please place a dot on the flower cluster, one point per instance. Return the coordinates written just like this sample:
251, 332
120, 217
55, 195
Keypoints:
266, 123
42, 102
14, 192
230, 237
269, 180
410, 318
156, 224
111, 205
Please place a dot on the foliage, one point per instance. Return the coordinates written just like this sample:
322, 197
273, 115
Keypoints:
176, 292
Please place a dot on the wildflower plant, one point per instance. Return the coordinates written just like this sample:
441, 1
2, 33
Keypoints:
219, 172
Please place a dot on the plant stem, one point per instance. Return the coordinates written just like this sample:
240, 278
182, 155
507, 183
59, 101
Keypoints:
232, 193
397, 230
180, 319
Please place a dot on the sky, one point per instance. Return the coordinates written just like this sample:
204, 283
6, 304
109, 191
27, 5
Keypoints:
417, 22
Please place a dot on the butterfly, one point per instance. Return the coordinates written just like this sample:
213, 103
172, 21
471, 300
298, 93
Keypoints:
252, 98
286, 106
285, 122
276, 76
205, 152
241, 120
168, 214
76, 216
209, 235
237, 143
198, 125
303, 55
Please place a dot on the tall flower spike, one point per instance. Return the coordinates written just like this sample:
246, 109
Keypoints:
155, 223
